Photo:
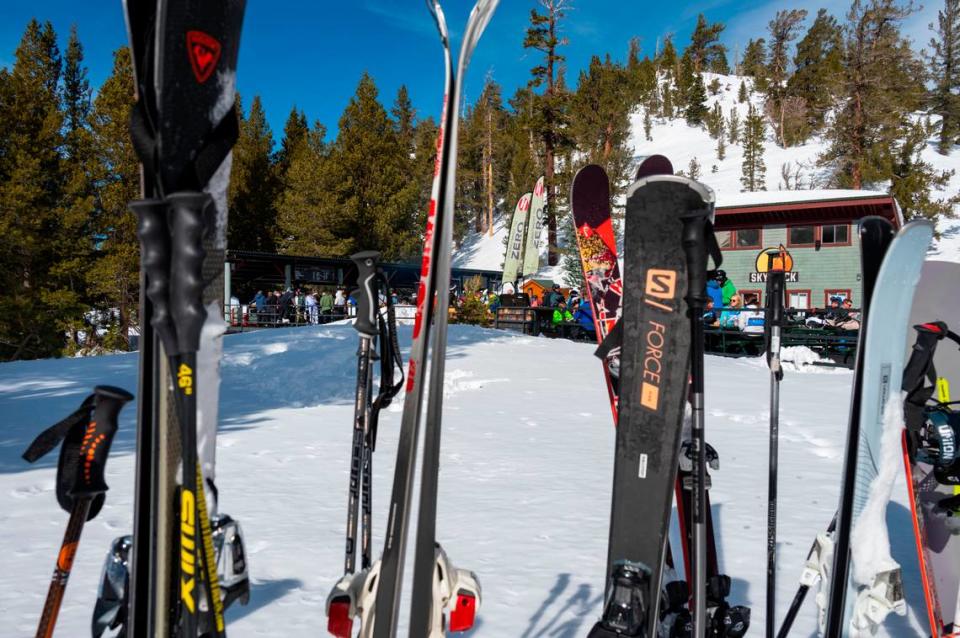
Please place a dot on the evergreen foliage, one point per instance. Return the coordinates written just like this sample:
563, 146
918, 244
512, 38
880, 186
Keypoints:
753, 169
944, 64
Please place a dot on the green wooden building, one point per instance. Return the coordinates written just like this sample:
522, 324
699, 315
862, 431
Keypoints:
817, 229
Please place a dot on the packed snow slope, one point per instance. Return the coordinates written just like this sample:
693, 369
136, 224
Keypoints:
680, 142
525, 480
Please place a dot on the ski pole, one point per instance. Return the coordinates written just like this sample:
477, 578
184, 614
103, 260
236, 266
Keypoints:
86, 434
697, 239
772, 325
366, 325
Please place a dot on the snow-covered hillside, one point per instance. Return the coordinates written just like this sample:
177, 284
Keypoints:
525, 479
681, 143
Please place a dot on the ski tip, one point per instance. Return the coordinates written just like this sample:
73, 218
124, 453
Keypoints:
654, 165
702, 190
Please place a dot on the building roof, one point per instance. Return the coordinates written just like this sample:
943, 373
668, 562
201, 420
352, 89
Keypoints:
543, 283
762, 208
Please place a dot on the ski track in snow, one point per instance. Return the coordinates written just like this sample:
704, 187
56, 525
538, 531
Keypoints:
525, 479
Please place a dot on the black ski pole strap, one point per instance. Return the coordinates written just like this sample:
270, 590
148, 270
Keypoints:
390, 361
86, 435
611, 342
50, 438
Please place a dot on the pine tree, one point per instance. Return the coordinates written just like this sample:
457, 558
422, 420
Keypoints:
705, 50
754, 63
113, 277
818, 62
693, 168
543, 36
914, 179
753, 168
295, 130
647, 125
715, 121
944, 65
721, 148
742, 93
783, 30
32, 307
881, 87
667, 61
733, 125
697, 109
254, 184
600, 117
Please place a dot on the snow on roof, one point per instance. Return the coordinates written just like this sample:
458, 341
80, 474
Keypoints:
767, 198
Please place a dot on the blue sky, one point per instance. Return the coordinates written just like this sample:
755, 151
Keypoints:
310, 53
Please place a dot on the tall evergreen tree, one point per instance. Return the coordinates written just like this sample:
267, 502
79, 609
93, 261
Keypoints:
113, 276
753, 168
697, 110
913, 179
818, 68
783, 30
881, 87
754, 64
944, 63
295, 130
705, 49
254, 185
543, 35
600, 117
32, 310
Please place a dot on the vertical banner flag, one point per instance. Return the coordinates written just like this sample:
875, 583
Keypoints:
518, 228
531, 258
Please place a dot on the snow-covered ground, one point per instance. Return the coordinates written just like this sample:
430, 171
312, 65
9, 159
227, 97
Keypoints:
524, 498
681, 142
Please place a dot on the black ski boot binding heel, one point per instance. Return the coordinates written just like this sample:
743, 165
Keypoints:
625, 612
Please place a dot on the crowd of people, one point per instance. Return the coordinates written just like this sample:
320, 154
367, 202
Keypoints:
300, 305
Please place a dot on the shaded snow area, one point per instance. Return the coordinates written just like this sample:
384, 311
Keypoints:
482, 251
525, 479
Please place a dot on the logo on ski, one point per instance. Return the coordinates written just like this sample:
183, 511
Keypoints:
187, 549
661, 284
204, 53
654, 339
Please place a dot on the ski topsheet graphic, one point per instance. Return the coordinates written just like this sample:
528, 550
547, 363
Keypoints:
871, 578
933, 423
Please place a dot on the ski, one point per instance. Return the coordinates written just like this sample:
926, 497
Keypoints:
447, 588
86, 435
655, 352
930, 449
875, 235
865, 581
439, 588
183, 128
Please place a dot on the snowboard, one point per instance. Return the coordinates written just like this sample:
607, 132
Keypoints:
938, 546
866, 585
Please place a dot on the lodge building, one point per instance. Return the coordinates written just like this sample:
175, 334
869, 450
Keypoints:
818, 230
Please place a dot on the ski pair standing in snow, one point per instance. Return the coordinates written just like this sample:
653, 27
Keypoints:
86, 435
444, 597
183, 127
667, 240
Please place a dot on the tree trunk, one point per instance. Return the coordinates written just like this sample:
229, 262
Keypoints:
548, 143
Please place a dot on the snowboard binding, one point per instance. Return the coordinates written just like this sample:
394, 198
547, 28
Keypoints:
936, 443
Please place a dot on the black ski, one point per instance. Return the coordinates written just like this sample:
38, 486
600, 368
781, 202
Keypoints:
655, 354
183, 128
875, 234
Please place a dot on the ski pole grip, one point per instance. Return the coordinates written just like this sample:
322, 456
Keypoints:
367, 301
155, 261
186, 267
108, 402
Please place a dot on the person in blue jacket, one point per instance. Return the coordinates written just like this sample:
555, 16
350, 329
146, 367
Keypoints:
715, 292
583, 315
